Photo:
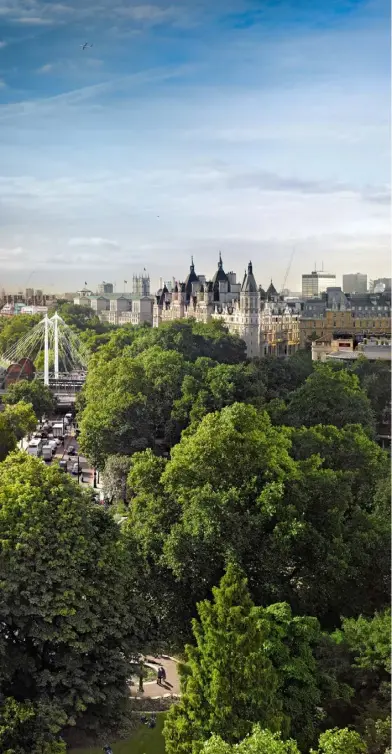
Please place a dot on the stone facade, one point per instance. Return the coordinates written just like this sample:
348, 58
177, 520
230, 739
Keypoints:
268, 324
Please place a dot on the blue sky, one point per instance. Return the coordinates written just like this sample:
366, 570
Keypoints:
247, 126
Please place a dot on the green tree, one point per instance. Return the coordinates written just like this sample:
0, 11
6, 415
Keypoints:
330, 397
282, 376
13, 329
193, 339
258, 742
69, 600
36, 393
342, 741
349, 449
116, 418
114, 477
364, 646
302, 532
227, 681
27, 728
7, 437
290, 647
21, 418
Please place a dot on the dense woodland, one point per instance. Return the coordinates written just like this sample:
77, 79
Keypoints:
256, 546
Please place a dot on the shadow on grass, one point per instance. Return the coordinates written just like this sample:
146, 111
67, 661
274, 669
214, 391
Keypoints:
143, 741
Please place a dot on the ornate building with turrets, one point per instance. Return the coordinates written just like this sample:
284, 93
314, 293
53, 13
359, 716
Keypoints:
268, 324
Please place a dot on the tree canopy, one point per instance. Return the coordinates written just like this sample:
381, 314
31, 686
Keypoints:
329, 397
69, 612
36, 393
227, 681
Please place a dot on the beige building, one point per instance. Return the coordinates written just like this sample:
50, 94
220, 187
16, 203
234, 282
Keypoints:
121, 308
267, 324
348, 322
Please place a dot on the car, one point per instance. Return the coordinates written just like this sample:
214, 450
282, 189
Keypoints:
71, 450
63, 465
57, 441
75, 468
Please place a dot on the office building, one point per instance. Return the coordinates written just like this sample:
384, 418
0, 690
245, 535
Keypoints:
335, 314
315, 283
355, 283
105, 288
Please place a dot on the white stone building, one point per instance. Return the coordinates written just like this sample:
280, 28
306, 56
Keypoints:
268, 324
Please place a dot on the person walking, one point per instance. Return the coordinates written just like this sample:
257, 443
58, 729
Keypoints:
163, 674
159, 678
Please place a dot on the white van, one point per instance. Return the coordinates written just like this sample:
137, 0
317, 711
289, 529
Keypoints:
47, 453
35, 446
53, 444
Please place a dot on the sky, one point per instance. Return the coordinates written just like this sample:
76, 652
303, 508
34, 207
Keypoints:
258, 128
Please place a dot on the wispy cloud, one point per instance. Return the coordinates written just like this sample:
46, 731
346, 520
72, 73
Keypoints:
47, 68
3, 44
35, 21
96, 243
82, 94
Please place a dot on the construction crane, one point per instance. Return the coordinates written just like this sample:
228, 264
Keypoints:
287, 270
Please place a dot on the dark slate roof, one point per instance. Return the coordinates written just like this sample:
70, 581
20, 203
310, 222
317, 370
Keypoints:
220, 275
249, 282
271, 290
191, 278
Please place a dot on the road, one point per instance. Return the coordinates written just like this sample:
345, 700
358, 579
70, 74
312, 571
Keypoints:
86, 477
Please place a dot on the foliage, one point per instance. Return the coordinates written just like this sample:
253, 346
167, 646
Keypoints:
227, 681
258, 742
114, 478
290, 648
342, 741
80, 317
14, 328
36, 393
349, 449
193, 339
329, 397
282, 376
21, 418
115, 420
69, 596
27, 728
303, 533
7, 437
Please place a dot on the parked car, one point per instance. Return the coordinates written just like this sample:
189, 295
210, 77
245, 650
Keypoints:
71, 450
63, 465
75, 468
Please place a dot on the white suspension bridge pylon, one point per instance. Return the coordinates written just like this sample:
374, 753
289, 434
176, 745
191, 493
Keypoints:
57, 341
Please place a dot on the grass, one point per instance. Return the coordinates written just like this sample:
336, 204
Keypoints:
144, 741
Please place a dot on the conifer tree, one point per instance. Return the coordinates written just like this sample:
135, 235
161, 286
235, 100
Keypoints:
227, 681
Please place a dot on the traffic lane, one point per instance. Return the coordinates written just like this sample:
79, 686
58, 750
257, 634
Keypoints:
86, 475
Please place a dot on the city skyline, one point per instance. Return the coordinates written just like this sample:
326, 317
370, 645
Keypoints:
185, 130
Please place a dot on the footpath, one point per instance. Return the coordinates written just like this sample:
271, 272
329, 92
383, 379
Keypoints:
153, 690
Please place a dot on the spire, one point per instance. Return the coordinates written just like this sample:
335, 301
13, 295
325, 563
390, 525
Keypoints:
192, 265
249, 282
220, 263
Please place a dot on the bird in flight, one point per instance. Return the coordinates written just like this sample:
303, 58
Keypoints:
86, 44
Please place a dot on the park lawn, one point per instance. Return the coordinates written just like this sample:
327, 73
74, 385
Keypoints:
144, 741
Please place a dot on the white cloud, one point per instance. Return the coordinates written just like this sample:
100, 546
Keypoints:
46, 68
2, 84
35, 21
2, 44
98, 243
